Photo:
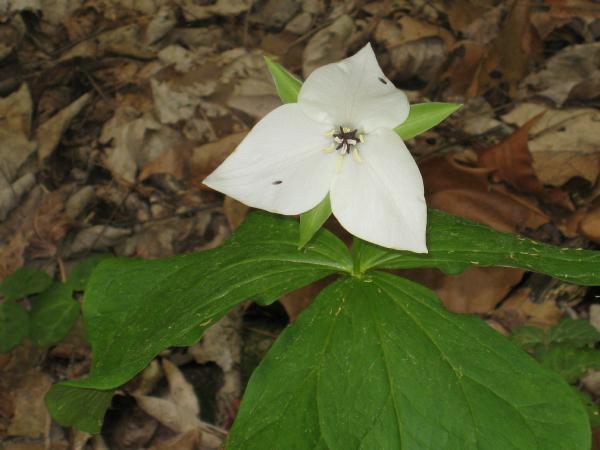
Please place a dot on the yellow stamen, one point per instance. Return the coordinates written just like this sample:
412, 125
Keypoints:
346, 130
338, 164
356, 156
330, 149
361, 138
330, 133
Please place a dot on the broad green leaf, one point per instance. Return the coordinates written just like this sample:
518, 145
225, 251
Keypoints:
381, 364
14, 325
424, 116
23, 282
133, 309
85, 407
311, 221
576, 333
455, 243
53, 314
287, 85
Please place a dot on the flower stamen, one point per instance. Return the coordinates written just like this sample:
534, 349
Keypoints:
329, 149
346, 140
338, 164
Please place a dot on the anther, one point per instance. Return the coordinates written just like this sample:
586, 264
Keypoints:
361, 138
329, 149
356, 156
338, 164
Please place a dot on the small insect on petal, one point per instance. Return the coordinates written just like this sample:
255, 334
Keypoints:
277, 182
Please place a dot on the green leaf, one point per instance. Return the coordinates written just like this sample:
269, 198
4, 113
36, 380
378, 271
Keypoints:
569, 362
287, 85
380, 363
85, 407
14, 325
577, 333
23, 282
81, 273
311, 221
53, 314
424, 116
455, 243
133, 309
590, 406
528, 337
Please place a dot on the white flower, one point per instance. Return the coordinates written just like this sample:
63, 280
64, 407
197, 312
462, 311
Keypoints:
337, 139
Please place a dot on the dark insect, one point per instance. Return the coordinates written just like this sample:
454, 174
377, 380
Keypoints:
277, 182
382, 80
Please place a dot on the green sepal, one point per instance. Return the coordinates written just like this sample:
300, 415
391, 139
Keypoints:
424, 116
311, 221
287, 85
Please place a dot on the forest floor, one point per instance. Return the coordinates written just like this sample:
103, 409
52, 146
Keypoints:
112, 113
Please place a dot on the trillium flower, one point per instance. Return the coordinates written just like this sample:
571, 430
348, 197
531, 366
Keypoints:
337, 140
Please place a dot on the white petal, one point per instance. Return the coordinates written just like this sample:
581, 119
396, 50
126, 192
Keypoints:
381, 200
280, 166
354, 93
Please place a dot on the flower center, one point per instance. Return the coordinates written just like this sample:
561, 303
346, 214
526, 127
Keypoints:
345, 140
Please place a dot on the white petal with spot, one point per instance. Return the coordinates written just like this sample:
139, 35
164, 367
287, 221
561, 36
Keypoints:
354, 93
280, 166
381, 200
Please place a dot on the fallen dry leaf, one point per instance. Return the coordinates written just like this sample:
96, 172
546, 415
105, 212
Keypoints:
221, 344
417, 48
136, 138
179, 409
465, 191
477, 290
31, 416
571, 74
208, 157
235, 212
48, 134
16, 111
173, 161
590, 224
328, 45
561, 143
511, 160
